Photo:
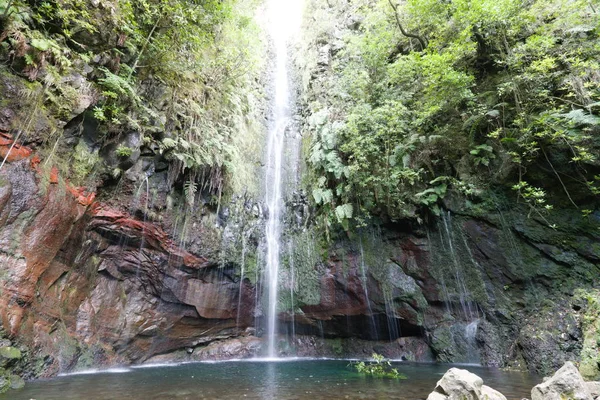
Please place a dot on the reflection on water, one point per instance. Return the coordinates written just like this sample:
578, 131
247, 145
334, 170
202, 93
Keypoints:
297, 380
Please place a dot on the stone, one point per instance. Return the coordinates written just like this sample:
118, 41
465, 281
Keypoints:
566, 383
16, 382
487, 393
4, 382
10, 352
460, 384
593, 388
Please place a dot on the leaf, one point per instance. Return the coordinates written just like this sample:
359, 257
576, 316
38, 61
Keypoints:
169, 143
344, 212
41, 44
579, 117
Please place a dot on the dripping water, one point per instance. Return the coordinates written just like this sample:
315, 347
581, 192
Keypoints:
364, 280
240, 291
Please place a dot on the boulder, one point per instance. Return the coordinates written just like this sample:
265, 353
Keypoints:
10, 352
460, 384
16, 382
594, 389
566, 383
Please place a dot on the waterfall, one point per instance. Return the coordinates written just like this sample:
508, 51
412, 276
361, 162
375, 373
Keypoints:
283, 20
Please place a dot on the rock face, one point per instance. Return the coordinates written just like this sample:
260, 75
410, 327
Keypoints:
460, 384
85, 285
88, 282
566, 383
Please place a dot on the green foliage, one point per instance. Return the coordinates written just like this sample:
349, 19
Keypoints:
590, 354
83, 162
506, 93
124, 151
380, 367
188, 69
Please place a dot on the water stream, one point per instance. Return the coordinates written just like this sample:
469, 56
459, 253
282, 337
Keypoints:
283, 20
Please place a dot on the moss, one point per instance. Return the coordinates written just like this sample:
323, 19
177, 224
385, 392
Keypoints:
10, 352
590, 354
83, 163
336, 345
305, 259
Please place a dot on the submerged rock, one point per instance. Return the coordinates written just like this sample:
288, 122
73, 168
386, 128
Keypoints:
566, 383
460, 384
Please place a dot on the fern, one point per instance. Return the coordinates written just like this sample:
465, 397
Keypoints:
112, 83
189, 189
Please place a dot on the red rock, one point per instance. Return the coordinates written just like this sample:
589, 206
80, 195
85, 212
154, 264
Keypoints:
54, 175
12, 152
35, 162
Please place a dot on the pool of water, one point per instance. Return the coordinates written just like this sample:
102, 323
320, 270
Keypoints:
281, 380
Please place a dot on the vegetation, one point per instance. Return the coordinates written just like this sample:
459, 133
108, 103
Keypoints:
380, 367
181, 73
422, 99
590, 354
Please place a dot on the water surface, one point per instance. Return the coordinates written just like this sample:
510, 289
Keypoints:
281, 380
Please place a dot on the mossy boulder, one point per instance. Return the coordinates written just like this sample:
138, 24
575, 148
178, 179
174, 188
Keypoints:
16, 382
4, 382
9, 352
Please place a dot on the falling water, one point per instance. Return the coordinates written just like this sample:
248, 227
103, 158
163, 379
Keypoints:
365, 281
283, 21
141, 252
292, 287
241, 288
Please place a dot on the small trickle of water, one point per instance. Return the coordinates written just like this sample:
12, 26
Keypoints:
470, 333
241, 288
292, 288
364, 280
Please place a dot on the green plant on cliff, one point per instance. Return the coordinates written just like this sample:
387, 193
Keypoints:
485, 93
590, 354
380, 367
189, 68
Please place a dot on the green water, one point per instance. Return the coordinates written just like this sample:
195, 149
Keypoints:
282, 380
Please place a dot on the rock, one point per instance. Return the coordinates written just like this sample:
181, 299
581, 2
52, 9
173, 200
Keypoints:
10, 352
593, 388
460, 384
549, 338
4, 381
566, 383
589, 301
16, 382
487, 393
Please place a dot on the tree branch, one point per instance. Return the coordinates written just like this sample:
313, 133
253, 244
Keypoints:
421, 40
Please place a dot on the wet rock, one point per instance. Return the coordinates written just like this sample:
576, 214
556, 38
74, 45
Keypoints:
16, 382
549, 338
4, 381
406, 348
10, 353
243, 347
566, 383
125, 153
460, 384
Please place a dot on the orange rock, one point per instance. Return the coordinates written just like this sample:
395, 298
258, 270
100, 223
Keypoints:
87, 200
54, 175
12, 153
35, 162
